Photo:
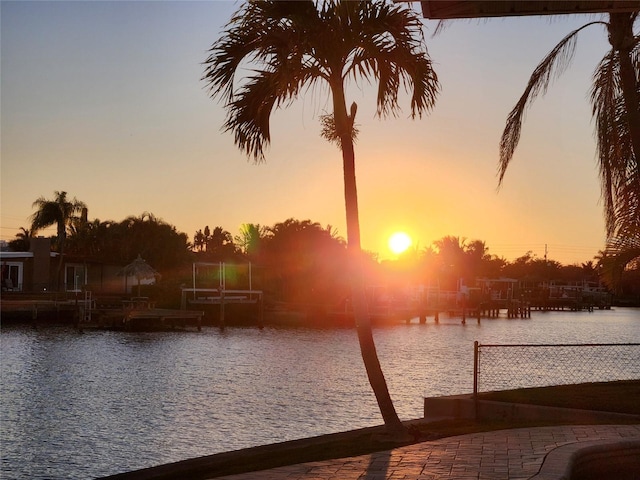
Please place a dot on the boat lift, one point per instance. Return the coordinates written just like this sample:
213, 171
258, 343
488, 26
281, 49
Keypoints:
221, 295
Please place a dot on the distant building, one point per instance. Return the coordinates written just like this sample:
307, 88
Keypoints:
35, 271
28, 271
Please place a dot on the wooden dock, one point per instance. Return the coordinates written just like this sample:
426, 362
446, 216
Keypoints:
386, 306
219, 298
40, 309
138, 314
143, 319
85, 312
491, 299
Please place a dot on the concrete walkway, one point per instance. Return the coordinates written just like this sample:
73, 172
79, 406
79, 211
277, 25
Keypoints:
500, 455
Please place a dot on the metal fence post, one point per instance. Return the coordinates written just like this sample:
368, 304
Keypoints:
475, 378
475, 369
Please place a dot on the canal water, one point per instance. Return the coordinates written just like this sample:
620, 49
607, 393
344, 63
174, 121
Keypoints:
82, 405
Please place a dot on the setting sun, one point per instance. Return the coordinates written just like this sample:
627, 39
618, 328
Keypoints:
399, 242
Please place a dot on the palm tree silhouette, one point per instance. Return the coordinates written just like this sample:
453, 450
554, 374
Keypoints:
250, 238
303, 45
615, 100
22, 242
60, 212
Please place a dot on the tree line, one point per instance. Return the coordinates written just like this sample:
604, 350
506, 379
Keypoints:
295, 261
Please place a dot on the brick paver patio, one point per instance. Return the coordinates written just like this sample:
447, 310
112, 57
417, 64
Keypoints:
500, 455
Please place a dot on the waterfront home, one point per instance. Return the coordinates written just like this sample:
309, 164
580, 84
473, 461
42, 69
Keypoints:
35, 271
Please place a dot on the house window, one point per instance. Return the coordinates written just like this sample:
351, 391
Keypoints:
75, 277
12, 276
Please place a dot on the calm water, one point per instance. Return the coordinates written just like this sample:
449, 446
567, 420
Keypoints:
87, 405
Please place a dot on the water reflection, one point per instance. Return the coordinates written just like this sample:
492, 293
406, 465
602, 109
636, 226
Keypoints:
85, 405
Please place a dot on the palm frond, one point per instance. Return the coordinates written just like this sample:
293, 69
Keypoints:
622, 253
619, 175
48, 214
296, 45
271, 35
391, 49
552, 66
60, 212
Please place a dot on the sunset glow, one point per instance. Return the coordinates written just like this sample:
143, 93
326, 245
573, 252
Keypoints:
431, 176
399, 242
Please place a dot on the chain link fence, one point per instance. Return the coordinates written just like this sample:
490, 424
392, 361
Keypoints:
506, 367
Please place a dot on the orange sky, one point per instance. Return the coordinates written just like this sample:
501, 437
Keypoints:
104, 100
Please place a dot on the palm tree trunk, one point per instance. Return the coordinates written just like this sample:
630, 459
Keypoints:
622, 39
62, 238
360, 310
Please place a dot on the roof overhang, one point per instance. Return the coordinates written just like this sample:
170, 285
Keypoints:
14, 255
18, 255
452, 9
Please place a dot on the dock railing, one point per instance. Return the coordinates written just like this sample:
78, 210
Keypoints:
511, 366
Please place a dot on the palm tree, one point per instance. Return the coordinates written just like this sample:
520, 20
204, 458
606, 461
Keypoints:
22, 242
615, 100
303, 45
157, 241
83, 236
451, 260
24, 234
60, 212
219, 244
198, 241
250, 238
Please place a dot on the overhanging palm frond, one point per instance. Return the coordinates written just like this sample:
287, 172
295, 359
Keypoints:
611, 154
552, 66
619, 175
622, 253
